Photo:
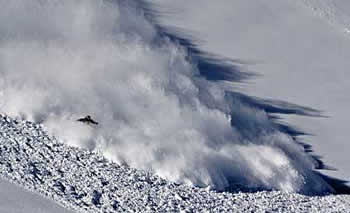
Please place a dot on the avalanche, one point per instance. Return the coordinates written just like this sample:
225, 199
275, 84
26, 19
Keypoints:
163, 106
85, 181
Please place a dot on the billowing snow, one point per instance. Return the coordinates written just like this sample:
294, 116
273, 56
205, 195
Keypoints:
162, 105
175, 123
85, 181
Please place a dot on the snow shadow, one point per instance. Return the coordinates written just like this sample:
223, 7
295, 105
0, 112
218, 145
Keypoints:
218, 68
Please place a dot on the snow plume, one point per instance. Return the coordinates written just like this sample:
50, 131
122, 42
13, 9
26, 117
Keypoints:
61, 60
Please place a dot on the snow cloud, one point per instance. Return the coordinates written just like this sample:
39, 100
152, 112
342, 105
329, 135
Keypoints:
62, 60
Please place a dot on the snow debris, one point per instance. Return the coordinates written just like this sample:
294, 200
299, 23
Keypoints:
86, 182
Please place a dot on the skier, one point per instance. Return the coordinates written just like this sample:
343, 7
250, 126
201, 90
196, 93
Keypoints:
88, 120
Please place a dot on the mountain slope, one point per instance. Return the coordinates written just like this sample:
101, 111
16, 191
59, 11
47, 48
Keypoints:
150, 88
86, 182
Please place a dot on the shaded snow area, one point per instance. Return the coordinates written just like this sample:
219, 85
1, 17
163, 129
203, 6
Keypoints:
85, 181
16, 199
162, 105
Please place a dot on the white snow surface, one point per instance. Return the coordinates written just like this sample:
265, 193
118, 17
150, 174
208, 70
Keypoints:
85, 181
16, 199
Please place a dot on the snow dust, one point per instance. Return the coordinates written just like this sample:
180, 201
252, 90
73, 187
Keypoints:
61, 60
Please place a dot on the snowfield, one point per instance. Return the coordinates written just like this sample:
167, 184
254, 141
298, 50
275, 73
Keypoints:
85, 181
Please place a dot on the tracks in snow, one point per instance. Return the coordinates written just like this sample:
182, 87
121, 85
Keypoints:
330, 12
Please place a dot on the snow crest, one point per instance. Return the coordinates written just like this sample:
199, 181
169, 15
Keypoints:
61, 60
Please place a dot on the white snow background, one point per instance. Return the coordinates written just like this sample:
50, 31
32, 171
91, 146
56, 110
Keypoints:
162, 106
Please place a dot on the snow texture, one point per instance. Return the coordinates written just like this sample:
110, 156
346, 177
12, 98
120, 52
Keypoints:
85, 181
162, 105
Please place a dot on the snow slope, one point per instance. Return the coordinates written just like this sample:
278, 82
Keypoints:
85, 181
300, 49
15, 199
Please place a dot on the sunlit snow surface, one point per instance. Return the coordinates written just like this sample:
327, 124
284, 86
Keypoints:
159, 107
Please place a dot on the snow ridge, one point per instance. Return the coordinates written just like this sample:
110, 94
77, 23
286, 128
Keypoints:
86, 182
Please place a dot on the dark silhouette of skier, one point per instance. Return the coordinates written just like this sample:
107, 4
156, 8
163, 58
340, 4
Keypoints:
87, 120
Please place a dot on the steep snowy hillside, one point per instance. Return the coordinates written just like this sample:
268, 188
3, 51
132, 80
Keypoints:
179, 127
85, 181
163, 104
